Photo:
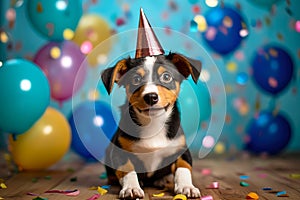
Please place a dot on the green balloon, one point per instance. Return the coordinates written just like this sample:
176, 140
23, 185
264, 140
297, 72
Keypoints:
24, 95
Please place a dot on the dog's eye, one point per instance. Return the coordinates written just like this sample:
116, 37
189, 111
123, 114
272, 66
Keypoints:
136, 80
166, 77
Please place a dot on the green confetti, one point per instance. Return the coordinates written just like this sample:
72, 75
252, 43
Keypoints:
48, 177
103, 176
296, 176
244, 184
34, 180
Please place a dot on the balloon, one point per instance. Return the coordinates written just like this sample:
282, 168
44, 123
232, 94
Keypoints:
269, 133
226, 29
43, 144
52, 18
61, 63
91, 31
272, 69
24, 95
93, 125
264, 3
195, 104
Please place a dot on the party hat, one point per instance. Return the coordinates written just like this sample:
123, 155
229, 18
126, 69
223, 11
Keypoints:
147, 42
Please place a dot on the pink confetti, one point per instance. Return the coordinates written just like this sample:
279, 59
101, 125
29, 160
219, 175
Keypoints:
66, 192
273, 82
94, 197
211, 33
209, 197
213, 185
262, 175
205, 171
297, 26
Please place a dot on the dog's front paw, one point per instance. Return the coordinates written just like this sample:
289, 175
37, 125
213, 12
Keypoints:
131, 193
189, 191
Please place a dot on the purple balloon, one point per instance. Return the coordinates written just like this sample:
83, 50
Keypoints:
61, 62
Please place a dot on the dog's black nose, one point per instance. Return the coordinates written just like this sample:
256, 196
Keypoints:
151, 98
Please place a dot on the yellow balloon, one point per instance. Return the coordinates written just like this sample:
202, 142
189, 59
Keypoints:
91, 31
45, 143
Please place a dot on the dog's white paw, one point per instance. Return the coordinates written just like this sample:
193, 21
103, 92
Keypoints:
131, 193
189, 191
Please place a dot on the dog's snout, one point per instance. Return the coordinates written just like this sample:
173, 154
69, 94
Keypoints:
151, 98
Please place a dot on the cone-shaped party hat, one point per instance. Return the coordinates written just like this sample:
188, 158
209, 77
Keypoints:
147, 42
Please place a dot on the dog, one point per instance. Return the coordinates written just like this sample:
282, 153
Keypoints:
149, 146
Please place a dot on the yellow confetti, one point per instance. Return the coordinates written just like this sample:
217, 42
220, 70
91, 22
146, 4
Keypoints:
219, 148
3, 186
296, 176
180, 197
231, 66
93, 95
55, 52
3, 37
101, 190
201, 22
68, 34
158, 195
252, 195
227, 22
93, 188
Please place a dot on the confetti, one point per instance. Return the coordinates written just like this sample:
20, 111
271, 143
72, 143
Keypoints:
101, 190
105, 187
206, 171
295, 176
209, 197
55, 52
34, 180
94, 197
74, 179
68, 34
266, 188
180, 197
252, 195
244, 177
213, 185
66, 192
281, 193
158, 195
3, 186
244, 184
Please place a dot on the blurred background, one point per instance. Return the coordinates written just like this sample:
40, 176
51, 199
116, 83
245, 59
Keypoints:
254, 44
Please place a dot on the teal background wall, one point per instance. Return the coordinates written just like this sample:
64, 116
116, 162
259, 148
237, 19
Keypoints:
275, 24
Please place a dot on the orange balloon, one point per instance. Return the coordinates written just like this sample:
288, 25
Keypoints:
45, 143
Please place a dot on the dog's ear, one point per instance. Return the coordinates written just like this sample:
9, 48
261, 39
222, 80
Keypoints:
113, 74
186, 66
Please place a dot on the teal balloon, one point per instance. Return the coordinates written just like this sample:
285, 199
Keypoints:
52, 17
194, 105
24, 95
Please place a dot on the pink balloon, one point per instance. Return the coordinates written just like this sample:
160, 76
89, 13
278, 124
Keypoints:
62, 62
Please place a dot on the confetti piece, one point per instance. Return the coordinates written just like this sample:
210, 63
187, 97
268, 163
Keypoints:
32, 194
105, 187
103, 176
1, 198
74, 179
74, 193
213, 185
68, 34
66, 192
281, 193
48, 177
3, 186
102, 191
55, 52
244, 184
244, 177
209, 197
94, 197
266, 188
34, 180
295, 176
158, 195
252, 195
40, 198
262, 175
180, 197
206, 171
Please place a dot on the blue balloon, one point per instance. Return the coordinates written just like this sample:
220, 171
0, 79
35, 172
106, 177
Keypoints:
51, 18
272, 69
93, 125
195, 104
224, 29
268, 133
24, 95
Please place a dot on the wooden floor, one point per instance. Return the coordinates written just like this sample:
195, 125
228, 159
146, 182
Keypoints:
279, 173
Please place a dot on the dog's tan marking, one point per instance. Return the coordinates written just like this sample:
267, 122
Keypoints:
161, 70
167, 96
126, 144
180, 163
141, 72
124, 169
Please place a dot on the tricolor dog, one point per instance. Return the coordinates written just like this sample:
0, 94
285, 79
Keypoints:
149, 146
